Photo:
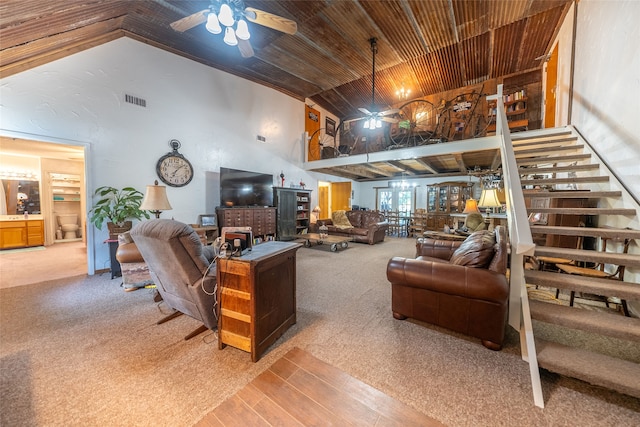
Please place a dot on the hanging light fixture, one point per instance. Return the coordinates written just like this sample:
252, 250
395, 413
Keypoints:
227, 16
403, 93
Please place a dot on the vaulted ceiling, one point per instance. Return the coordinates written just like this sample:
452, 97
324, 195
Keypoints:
429, 46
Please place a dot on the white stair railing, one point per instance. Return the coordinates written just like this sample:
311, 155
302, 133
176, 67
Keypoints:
521, 245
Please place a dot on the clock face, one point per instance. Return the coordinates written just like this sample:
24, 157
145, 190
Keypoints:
174, 170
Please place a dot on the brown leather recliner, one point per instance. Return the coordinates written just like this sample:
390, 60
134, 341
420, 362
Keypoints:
457, 285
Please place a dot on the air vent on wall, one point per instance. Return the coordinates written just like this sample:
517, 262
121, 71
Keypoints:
135, 100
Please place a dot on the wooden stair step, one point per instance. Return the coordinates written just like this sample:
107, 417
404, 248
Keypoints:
556, 169
572, 194
628, 260
585, 211
550, 181
609, 324
594, 368
546, 151
590, 285
553, 160
611, 233
558, 142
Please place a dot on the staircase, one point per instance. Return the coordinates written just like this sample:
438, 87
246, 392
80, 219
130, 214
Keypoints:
547, 164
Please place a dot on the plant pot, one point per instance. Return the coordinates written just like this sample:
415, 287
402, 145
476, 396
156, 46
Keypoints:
116, 229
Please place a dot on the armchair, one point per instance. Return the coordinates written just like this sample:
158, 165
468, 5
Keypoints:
180, 267
459, 286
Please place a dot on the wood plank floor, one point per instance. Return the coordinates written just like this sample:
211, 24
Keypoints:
300, 390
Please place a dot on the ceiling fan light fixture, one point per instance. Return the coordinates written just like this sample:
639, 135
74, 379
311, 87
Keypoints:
230, 37
242, 30
378, 123
225, 16
213, 25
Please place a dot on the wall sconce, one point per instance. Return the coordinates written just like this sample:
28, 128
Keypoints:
155, 200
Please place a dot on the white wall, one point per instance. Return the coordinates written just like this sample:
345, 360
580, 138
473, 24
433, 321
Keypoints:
216, 117
606, 92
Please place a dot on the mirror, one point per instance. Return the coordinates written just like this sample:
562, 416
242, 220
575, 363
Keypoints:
21, 195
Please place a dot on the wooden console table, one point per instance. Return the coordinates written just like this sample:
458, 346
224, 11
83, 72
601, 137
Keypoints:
257, 296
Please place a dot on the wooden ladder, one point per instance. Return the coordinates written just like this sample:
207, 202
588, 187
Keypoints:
540, 159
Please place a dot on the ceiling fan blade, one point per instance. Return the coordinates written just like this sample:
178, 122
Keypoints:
389, 120
353, 120
365, 111
270, 20
188, 22
245, 48
389, 112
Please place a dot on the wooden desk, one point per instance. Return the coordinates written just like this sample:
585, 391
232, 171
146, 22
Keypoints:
257, 295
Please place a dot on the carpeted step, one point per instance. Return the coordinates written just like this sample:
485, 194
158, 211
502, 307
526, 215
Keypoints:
577, 180
590, 285
628, 260
524, 137
574, 194
524, 171
544, 143
609, 233
585, 211
535, 152
594, 368
609, 324
553, 160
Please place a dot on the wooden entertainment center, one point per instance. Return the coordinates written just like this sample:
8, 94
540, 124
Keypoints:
257, 297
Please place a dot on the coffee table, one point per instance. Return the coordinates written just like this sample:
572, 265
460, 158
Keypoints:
334, 241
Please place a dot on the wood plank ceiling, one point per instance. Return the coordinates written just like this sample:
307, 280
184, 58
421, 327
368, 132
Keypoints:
429, 46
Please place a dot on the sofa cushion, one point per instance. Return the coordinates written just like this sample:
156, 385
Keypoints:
476, 251
340, 220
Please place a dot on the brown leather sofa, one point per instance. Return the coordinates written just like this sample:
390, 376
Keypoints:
367, 227
459, 286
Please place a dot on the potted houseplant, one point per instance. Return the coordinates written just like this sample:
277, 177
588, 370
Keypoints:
117, 207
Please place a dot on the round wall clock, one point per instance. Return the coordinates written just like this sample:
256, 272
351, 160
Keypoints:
173, 168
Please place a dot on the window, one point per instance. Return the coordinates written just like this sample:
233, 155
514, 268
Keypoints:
396, 198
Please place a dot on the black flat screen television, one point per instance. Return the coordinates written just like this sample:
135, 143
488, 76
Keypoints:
240, 188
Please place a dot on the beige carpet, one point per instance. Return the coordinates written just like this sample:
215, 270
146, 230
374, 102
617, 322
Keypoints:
28, 266
84, 353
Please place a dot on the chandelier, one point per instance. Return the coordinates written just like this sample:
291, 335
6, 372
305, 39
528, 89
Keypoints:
227, 14
403, 93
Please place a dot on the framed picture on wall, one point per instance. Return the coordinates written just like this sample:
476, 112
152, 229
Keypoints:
207, 220
330, 126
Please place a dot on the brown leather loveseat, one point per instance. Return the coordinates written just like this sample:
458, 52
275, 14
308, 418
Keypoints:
459, 286
363, 226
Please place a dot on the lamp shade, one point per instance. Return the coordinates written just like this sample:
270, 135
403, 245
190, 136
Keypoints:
470, 206
489, 199
155, 199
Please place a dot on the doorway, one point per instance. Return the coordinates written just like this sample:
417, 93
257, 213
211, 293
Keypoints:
65, 259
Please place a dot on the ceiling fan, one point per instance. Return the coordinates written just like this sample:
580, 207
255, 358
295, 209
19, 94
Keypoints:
232, 14
373, 118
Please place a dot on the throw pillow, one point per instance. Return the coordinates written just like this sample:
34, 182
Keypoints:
476, 251
340, 220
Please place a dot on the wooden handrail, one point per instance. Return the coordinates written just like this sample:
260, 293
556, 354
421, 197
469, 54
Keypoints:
521, 244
